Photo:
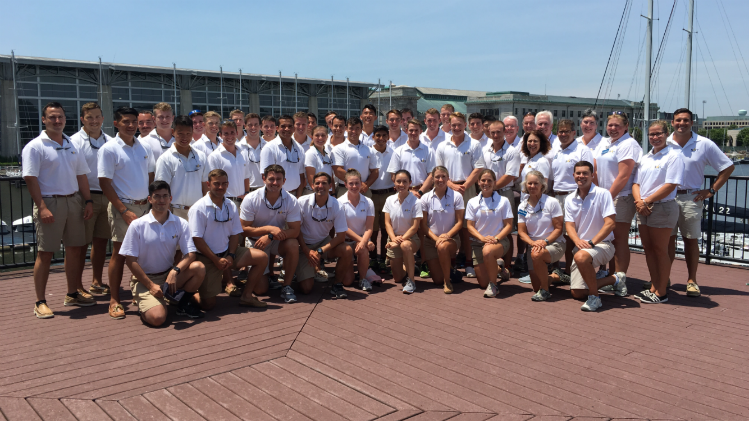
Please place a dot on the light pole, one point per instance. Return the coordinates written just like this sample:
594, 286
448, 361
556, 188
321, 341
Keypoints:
703, 111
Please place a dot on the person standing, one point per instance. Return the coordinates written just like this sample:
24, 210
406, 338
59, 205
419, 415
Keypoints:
211, 141
300, 130
589, 125
381, 189
368, 117
312, 120
88, 141
433, 136
402, 219
268, 127
476, 126
237, 116
161, 139
55, 174
353, 154
253, 145
126, 168
318, 158
545, 123
287, 153
398, 137
229, 158
698, 152
198, 126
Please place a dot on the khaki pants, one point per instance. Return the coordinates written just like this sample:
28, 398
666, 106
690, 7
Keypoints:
118, 224
142, 297
211, 285
68, 226
98, 225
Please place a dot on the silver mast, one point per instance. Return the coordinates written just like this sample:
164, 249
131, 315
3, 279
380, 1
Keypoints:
648, 56
174, 68
15, 103
296, 101
221, 82
280, 94
347, 101
240, 90
379, 94
689, 53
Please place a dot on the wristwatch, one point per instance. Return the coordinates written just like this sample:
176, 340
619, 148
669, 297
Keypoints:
591, 243
319, 251
547, 240
420, 193
712, 191
232, 255
176, 269
89, 201
270, 237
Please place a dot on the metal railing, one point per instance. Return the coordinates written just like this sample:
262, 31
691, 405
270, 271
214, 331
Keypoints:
725, 228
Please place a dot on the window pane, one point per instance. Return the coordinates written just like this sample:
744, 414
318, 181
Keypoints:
57, 79
213, 98
145, 95
28, 89
120, 94
58, 91
144, 84
198, 97
89, 92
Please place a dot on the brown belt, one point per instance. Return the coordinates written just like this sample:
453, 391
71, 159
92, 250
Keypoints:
459, 182
180, 207
383, 191
60, 195
160, 273
137, 202
561, 193
97, 192
417, 188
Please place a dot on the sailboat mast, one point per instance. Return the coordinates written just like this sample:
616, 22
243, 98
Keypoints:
648, 56
689, 53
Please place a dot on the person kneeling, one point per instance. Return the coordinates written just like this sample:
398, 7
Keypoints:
158, 266
321, 213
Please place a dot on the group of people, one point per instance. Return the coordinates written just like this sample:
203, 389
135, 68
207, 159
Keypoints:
194, 200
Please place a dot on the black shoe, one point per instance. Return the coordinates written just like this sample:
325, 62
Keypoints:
455, 276
191, 310
338, 292
460, 261
647, 297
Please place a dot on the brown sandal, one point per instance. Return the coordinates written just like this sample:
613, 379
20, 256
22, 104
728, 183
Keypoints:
233, 291
117, 312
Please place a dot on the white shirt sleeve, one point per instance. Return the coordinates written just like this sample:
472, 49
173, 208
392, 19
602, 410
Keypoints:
628, 151
163, 171
513, 164
370, 207
81, 167
477, 155
185, 241
309, 158
586, 155
386, 206
151, 160
294, 213
608, 206
458, 203
196, 223
266, 158
339, 156
247, 209
675, 170
555, 210
131, 243
395, 162
204, 163
716, 158
439, 156
507, 214
471, 211
417, 213
430, 160
107, 163
568, 217
32, 161
339, 220
236, 225
374, 161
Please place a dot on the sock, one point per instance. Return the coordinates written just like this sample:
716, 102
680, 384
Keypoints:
41, 302
73, 294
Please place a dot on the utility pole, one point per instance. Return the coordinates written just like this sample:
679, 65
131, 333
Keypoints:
648, 57
15, 103
390, 90
689, 52
174, 68
379, 94
100, 97
280, 95
347, 101
240, 90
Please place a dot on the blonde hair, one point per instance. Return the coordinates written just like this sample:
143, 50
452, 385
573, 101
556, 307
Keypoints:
539, 176
236, 112
211, 114
662, 123
459, 115
162, 106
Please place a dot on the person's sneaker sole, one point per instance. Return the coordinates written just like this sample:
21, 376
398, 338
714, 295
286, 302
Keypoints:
76, 303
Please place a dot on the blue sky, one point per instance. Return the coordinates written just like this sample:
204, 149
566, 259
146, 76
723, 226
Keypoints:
560, 47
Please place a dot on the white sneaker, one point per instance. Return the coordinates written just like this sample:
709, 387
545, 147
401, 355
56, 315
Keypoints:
602, 274
365, 285
470, 273
321, 276
491, 291
410, 287
525, 279
620, 287
372, 276
593, 303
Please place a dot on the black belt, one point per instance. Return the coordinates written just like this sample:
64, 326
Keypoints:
459, 182
160, 273
561, 193
222, 254
383, 191
97, 192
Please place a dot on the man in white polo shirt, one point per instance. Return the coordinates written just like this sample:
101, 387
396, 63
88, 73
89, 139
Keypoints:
698, 152
322, 213
433, 136
565, 155
394, 120
146, 124
504, 160
252, 145
589, 222
271, 218
88, 141
445, 113
415, 157
157, 251
287, 153
215, 229
210, 140
183, 168
198, 125
381, 189
126, 168
55, 173
229, 158
161, 138
354, 154
300, 130
545, 123
406, 116
464, 161
237, 116
476, 126
368, 118
268, 125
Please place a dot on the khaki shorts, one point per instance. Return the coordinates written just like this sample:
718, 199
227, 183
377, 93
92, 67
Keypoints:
555, 249
601, 253
379, 220
510, 196
663, 215
142, 297
182, 213
98, 225
690, 216
303, 269
625, 208
211, 285
396, 253
560, 199
307, 192
118, 225
469, 194
477, 250
68, 227
430, 247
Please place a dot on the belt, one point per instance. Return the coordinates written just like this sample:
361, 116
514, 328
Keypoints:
252, 189
60, 195
459, 182
561, 193
504, 188
97, 192
687, 191
175, 206
160, 273
383, 191
134, 202
417, 188
341, 185
664, 201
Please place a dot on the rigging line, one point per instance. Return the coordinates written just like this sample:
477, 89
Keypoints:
637, 65
707, 71
618, 54
738, 46
624, 12
662, 48
676, 77
730, 107
730, 41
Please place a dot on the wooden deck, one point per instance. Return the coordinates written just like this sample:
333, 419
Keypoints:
385, 355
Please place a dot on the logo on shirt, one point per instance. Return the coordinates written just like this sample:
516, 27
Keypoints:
363, 210
603, 152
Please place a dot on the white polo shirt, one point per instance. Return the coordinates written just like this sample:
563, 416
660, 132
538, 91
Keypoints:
563, 164
540, 163
127, 167
236, 168
419, 162
292, 161
483, 140
384, 181
55, 167
252, 155
205, 145
516, 145
488, 214
608, 156
360, 157
155, 244
306, 144
588, 214
505, 161
356, 216
400, 141
367, 139
553, 140
538, 219
433, 143
89, 147
655, 170
441, 211
698, 153
461, 160
213, 224
255, 207
593, 144
158, 144
320, 161
185, 174
330, 216
403, 214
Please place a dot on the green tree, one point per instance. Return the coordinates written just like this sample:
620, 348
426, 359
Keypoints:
636, 133
743, 138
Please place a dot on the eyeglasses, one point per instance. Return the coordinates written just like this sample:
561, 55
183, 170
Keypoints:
215, 213
324, 218
564, 131
323, 157
62, 147
257, 153
656, 134
280, 202
91, 143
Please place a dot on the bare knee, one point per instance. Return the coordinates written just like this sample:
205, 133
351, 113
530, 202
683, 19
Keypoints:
155, 316
406, 247
581, 257
579, 294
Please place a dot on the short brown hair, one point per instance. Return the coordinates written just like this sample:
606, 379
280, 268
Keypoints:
228, 123
301, 115
322, 174
236, 112
396, 112
251, 115
458, 115
218, 172
352, 173
163, 106
663, 124
414, 121
448, 107
274, 168
432, 111
211, 114
88, 107
566, 123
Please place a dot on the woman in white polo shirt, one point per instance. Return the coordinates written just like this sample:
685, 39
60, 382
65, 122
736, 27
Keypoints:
659, 172
535, 148
402, 214
489, 217
615, 161
318, 158
442, 221
360, 214
540, 222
